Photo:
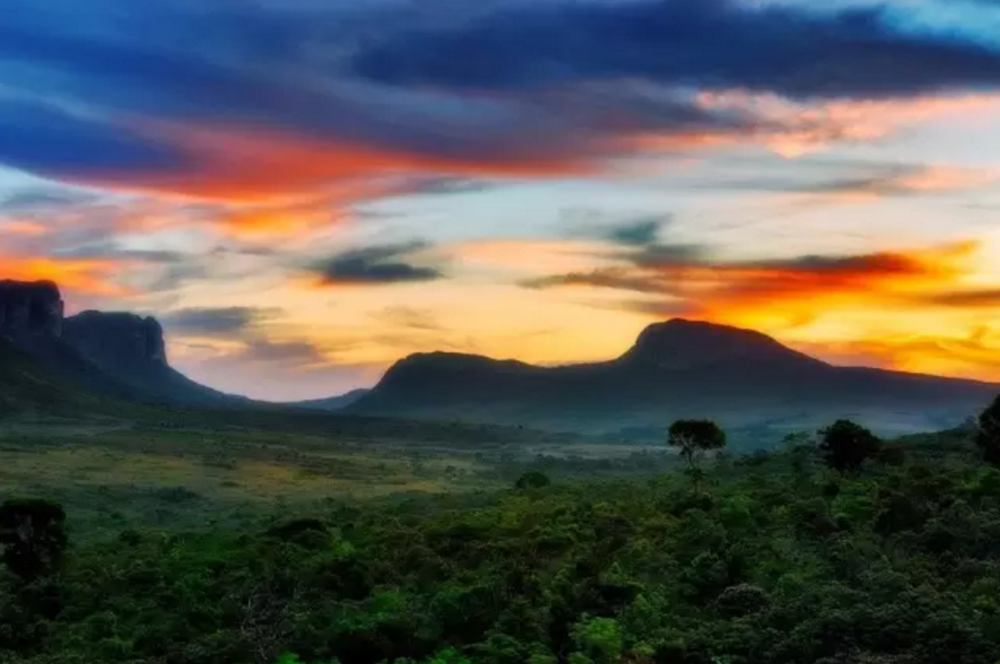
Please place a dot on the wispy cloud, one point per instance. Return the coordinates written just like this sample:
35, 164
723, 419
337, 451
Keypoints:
228, 322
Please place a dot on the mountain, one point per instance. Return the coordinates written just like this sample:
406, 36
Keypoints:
743, 379
131, 350
332, 403
113, 354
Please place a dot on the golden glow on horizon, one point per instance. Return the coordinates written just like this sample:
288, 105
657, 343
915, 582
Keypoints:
91, 277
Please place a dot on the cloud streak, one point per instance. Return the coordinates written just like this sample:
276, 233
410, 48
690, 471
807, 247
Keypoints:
376, 266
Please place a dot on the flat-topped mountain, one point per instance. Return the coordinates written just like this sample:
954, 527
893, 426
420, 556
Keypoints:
743, 379
118, 354
29, 310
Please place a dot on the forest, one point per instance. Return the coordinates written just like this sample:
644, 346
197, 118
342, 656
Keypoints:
832, 548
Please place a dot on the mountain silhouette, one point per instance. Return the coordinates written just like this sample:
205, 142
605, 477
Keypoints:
131, 350
676, 369
119, 355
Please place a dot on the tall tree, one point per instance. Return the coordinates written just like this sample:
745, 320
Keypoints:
845, 445
988, 433
693, 438
33, 536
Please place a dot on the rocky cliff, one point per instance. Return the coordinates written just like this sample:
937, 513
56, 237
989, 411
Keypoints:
116, 339
30, 310
115, 353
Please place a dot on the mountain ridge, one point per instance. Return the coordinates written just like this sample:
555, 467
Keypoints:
677, 368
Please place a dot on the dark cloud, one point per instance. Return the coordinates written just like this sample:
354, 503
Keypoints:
655, 255
687, 273
640, 232
227, 321
380, 265
289, 354
631, 231
880, 263
791, 50
89, 84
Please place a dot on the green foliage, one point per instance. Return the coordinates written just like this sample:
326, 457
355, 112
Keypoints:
775, 562
988, 433
32, 535
598, 639
846, 445
533, 479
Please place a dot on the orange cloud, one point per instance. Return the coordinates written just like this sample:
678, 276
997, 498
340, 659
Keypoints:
93, 277
855, 309
973, 353
789, 293
22, 228
283, 219
263, 165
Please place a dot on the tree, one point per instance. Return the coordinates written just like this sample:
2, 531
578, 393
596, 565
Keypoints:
32, 536
988, 433
846, 445
692, 438
599, 640
533, 479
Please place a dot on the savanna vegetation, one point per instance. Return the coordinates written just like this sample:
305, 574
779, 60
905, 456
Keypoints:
833, 548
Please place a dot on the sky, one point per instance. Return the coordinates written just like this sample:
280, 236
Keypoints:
304, 191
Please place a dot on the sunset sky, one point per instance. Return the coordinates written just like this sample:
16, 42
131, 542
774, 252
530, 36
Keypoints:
303, 191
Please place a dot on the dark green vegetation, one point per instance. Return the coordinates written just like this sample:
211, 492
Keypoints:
988, 436
777, 558
29, 388
753, 386
846, 445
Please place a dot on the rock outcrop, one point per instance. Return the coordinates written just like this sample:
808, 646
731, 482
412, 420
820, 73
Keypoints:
30, 311
120, 354
116, 340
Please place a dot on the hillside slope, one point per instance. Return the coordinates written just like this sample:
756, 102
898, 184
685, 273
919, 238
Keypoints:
29, 388
741, 378
131, 351
332, 403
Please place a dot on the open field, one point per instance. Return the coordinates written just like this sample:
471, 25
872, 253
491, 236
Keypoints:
194, 474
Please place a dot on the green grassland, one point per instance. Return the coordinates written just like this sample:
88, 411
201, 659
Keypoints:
199, 469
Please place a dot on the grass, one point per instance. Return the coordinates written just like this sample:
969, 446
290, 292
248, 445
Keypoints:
197, 471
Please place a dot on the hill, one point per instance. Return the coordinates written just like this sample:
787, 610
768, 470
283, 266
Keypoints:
332, 403
747, 381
